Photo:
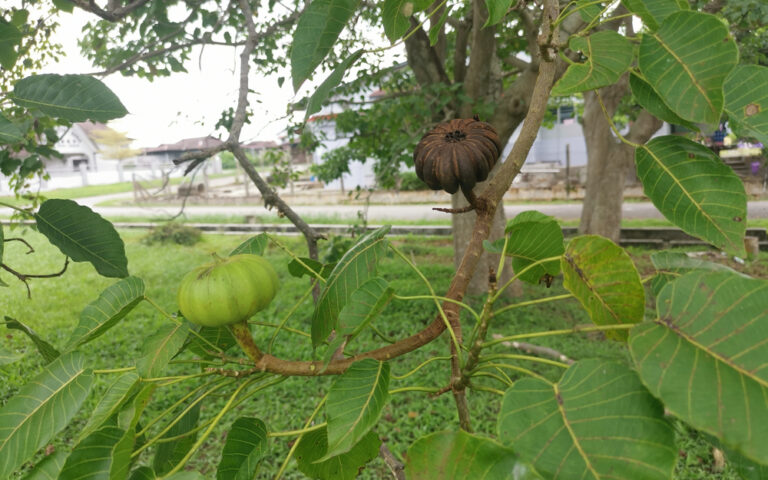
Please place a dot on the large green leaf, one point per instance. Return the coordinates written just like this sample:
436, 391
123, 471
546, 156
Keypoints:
671, 265
246, 446
47, 350
647, 97
254, 245
169, 453
355, 268
396, 16
116, 395
355, 402
602, 276
597, 422
746, 100
746, 468
695, 190
497, 10
341, 467
459, 456
49, 467
653, 12
608, 57
533, 236
103, 455
113, 304
41, 409
705, 357
9, 132
317, 30
10, 38
83, 235
143, 473
334, 79
158, 349
76, 98
366, 304
687, 62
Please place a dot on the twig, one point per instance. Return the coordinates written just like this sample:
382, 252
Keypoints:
539, 350
31, 250
395, 466
26, 276
110, 14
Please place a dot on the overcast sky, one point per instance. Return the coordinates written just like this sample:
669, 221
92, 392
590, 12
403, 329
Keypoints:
186, 104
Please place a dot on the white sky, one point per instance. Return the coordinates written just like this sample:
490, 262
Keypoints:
183, 105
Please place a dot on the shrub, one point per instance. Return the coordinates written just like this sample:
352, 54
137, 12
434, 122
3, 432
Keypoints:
172, 232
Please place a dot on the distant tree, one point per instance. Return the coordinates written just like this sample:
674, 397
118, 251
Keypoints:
113, 144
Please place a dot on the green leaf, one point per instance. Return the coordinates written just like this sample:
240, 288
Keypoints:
185, 476
497, 10
356, 266
461, 455
597, 422
76, 98
131, 410
64, 5
589, 10
220, 336
334, 79
695, 190
83, 235
254, 245
608, 57
103, 455
113, 304
158, 349
116, 395
534, 236
366, 303
396, 16
602, 276
41, 409
298, 270
9, 132
47, 350
746, 468
341, 467
436, 28
170, 453
10, 38
687, 62
143, 473
647, 97
246, 446
317, 30
705, 357
671, 265
355, 402
49, 467
746, 100
653, 12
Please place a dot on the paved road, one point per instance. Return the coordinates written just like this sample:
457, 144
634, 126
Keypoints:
377, 213
570, 211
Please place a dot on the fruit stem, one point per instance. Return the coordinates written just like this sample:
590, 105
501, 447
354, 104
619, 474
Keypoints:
242, 333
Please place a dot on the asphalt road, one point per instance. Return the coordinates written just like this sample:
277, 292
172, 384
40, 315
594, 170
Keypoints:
377, 213
569, 211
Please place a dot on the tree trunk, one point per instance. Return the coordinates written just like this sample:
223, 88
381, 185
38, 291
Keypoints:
609, 162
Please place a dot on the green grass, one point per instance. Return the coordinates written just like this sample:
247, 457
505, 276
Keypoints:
55, 305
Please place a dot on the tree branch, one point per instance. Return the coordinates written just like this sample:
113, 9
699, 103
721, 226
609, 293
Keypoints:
423, 58
111, 13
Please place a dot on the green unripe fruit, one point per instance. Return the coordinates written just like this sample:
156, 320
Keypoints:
227, 291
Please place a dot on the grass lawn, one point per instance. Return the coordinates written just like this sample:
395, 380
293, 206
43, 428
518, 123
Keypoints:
56, 303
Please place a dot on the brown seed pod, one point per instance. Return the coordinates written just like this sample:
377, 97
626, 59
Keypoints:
458, 153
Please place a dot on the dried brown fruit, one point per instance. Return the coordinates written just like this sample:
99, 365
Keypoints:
457, 154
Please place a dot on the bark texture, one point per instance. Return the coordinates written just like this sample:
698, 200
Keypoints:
610, 161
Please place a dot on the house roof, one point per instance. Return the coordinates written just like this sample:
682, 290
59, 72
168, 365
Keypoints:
89, 127
259, 145
186, 145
